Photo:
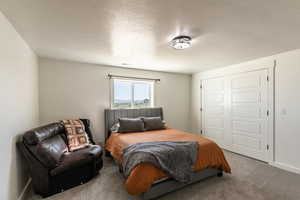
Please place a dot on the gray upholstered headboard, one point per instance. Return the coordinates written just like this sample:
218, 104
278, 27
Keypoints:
112, 116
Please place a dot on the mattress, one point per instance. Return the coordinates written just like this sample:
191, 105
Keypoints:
210, 155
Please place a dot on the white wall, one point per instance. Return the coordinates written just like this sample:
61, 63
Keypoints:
287, 101
287, 104
18, 105
73, 90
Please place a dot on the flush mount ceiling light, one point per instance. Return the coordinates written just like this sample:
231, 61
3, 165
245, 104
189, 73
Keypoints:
181, 42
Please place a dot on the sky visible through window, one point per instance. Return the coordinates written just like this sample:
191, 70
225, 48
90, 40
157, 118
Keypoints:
123, 93
141, 91
122, 90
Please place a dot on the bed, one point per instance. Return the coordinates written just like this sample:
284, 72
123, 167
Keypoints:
147, 180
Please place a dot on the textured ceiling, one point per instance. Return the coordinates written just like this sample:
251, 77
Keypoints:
137, 32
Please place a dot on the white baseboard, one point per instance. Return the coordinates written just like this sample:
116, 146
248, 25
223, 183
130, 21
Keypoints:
25, 190
285, 167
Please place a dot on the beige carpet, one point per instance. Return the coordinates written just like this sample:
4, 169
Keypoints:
250, 180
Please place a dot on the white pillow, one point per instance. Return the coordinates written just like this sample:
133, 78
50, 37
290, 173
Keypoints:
115, 128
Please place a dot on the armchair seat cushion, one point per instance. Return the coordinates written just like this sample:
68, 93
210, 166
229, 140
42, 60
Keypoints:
77, 158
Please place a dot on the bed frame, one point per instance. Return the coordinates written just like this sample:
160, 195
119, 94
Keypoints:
164, 186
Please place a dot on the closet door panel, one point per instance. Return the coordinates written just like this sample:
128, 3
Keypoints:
213, 103
234, 112
249, 113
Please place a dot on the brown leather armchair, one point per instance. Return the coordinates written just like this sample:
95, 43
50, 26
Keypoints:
52, 168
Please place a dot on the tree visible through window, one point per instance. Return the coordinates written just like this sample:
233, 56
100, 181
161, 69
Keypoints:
132, 94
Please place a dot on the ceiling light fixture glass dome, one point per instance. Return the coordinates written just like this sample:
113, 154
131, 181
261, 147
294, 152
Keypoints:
181, 42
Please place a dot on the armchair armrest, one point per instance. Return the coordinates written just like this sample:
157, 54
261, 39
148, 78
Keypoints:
38, 171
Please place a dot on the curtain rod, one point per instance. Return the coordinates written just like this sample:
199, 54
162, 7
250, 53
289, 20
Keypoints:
133, 77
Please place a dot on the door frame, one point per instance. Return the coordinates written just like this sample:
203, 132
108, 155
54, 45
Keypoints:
268, 65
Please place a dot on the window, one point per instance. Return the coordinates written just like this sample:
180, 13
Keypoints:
131, 93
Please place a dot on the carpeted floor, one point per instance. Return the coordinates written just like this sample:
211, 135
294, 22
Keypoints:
250, 180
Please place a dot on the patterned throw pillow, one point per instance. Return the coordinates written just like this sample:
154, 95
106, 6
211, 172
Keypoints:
77, 137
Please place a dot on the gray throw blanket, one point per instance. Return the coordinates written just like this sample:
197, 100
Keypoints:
176, 159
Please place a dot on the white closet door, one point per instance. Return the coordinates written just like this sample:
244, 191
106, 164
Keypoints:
213, 126
249, 104
234, 112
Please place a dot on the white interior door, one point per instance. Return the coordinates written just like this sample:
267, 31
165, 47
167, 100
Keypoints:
249, 114
235, 112
214, 110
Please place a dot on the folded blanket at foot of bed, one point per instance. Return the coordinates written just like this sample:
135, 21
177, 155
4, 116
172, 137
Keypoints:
177, 159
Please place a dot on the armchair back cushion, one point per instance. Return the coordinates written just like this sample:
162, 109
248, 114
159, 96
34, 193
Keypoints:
50, 151
47, 144
42, 133
87, 125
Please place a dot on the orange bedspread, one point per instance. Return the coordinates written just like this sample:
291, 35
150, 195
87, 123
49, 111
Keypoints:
144, 175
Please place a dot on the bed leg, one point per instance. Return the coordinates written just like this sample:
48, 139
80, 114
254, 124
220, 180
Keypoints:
121, 169
220, 174
107, 154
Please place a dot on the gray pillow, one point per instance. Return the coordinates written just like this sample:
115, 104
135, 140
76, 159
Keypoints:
131, 125
153, 123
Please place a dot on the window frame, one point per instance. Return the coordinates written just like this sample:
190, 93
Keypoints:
132, 81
